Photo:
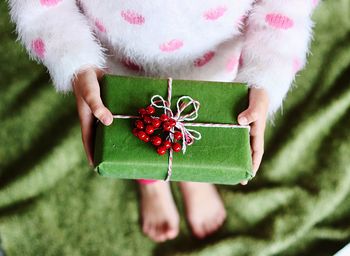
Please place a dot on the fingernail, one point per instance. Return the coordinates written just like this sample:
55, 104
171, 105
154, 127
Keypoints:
243, 120
244, 183
107, 120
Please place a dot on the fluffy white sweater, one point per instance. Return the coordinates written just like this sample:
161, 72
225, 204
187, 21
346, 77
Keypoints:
261, 42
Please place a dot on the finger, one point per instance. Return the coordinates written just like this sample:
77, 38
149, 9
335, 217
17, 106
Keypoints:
248, 116
91, 95
86, 123
258, 105
257, 146
100, 111
245, 182
258, 127
99, 73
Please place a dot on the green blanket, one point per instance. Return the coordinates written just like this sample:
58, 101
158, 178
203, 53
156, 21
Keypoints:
51, 203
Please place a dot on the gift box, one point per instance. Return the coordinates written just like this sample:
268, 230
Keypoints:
222, 155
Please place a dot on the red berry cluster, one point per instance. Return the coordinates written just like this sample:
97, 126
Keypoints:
150, 128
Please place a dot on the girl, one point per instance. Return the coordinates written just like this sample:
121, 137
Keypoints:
260, 42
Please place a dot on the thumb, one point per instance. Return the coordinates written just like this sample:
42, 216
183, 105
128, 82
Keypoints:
248, 116
91, 96
100, 111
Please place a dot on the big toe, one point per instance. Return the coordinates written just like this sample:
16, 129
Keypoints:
207, 226
216, 222
211, 227
198, 228
223, 216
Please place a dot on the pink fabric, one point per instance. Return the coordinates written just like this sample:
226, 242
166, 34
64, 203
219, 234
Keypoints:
232, 64
131, 65
133, 17
49, 2
315, 3
204, 59
99, 25
297, 65
146, 182
171, 46
215, 13
279, 21
38, 46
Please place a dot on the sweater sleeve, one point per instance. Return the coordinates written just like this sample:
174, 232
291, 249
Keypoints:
55, 33
276, 42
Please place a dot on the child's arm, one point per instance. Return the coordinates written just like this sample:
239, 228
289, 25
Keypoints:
276, 42
55, 33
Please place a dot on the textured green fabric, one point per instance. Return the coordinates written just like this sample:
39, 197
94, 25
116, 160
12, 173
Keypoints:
221, 156
298, 204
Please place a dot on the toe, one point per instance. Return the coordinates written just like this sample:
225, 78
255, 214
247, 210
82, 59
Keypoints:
151, 232
208, 228
211, 227
146, 226
172, 233
218, 225
223, 216
172, 230
219, 221
161, 232
198, 229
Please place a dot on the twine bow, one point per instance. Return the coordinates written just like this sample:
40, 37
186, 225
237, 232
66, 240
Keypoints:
188, 135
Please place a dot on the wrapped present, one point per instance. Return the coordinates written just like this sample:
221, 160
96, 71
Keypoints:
206, 144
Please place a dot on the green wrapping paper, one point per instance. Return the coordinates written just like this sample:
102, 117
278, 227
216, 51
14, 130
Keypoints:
222, 156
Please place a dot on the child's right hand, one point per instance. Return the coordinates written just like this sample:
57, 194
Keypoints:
87, 94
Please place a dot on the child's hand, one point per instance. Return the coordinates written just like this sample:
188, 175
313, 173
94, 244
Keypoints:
87, 93
255, 115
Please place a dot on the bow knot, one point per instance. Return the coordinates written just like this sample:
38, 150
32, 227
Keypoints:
182, 104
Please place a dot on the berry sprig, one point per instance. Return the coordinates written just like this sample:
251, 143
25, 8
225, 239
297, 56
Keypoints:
156, 129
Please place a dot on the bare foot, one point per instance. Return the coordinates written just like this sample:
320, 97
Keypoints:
204, 208
160, 218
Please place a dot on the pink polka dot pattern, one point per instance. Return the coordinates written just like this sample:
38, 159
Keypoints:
279, 21
200, 62
215, 13
132, 17
49, 2
232, 64
297, 65
171, 46
315, 3
99, 25
38, 47
131, 65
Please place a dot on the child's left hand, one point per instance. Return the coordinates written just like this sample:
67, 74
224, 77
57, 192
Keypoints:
255, 115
